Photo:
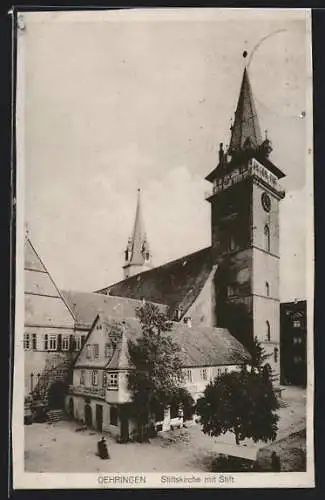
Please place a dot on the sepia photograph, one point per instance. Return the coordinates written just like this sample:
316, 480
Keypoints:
164, 249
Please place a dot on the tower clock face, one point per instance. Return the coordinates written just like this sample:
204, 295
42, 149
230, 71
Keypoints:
266, 202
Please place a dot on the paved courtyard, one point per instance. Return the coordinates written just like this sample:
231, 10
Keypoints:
59, 447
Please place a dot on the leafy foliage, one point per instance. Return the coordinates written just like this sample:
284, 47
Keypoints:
240, 402
259, 356
156, 381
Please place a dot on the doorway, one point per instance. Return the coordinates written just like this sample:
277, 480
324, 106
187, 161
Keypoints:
55, 395
99, 418
88, 415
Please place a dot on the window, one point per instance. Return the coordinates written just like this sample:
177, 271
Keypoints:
276, 354
267, 289
188, 375
94, 377
96, 350
82, 377
53, 343
78, 343
268, 331
219, 372
104, 379
108, 350
88, 352
46, 342
34, 341
296, 323
65, 343
230, 291
113, 415
26, 341
226, 370
112, 380
83, 339
267, 237
204, 374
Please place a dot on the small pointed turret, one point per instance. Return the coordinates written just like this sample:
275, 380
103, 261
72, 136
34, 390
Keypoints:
137, 253
245, 131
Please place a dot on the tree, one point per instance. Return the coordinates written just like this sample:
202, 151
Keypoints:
243, 403
258, 356
156, 381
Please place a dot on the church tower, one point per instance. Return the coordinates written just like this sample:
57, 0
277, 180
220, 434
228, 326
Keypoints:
137, 253
245, 232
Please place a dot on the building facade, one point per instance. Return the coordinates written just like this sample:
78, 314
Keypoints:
99, 396
50, 339
294, 343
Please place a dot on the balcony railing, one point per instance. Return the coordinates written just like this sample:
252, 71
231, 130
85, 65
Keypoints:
253, 169
84, 390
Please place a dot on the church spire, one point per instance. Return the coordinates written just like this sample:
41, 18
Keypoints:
137, 253
245, 131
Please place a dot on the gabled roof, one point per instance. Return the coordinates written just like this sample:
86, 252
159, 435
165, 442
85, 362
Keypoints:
44, 304
200, 346
175, 284
86, 306
246, 125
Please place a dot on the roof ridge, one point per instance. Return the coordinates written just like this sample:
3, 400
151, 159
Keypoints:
27, 240
171, 262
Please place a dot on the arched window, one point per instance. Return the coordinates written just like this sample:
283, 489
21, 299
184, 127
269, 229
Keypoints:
267, 289
267, 237
268, 331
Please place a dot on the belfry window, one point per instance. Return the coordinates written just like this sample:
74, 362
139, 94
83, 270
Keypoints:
267, 237
267, 289
268, 331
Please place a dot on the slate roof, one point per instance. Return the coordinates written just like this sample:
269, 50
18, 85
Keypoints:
86, 306
175, 284
139, 237
200, 346
246, 124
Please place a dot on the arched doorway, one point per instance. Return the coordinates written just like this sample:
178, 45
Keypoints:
88, 415
71, 408
55, 395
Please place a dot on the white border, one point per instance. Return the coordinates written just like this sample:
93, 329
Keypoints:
27, 480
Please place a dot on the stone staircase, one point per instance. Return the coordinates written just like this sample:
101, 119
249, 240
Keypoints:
56, 415
58, 369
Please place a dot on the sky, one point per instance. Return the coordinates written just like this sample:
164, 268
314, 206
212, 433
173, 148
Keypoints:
117, 101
